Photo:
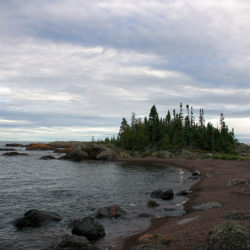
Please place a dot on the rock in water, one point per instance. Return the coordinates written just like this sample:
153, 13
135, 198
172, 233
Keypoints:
34, 218
90, 228
164, 195
205, 206
228, 236
110, 212
71, 242
152, 204
14, 154
47, 157
196, 173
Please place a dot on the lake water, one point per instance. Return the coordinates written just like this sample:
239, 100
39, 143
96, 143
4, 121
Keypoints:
75, 190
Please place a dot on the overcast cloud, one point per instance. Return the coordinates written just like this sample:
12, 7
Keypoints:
71, 69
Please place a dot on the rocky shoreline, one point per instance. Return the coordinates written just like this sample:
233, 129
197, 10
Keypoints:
220, 199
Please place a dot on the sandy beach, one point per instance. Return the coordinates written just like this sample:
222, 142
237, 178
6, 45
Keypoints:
215, 188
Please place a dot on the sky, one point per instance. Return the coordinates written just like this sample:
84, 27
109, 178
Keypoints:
71, 69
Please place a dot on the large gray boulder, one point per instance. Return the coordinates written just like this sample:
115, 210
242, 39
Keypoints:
242, 149
71, 242
90, 151
164, 154
228, 236
106, 155
186, 154
89, 227
34, 218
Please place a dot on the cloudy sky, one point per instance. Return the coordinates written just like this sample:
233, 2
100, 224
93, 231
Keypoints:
71, 69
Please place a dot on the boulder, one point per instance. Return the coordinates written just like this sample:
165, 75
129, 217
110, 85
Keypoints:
152, 203
164, 195
234, 182
14, 154
196, 173
106, 155
110, 212
90, 151
228, 236
208, 205
153, 242
163, 154
71, 242
77, 153
242, 149
39, 146
34, 218
47, 157
89, 227
186, 154
62, 150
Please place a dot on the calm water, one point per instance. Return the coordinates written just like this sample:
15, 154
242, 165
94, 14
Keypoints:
75, 190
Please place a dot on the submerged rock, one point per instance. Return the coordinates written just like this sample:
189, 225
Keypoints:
34, 218
208, 205
153, 242
152, 204
228, 236
184, 192
47, 157
71, 242
90, 228
14, 145
185, 221
110, 212
164, 195
15, 154
144, 215
7, 149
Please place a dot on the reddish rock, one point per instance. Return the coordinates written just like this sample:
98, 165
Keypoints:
39, 146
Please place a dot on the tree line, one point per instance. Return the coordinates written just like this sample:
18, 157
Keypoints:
174, 132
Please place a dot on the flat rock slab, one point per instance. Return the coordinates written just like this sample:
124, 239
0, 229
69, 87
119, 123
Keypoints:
185, 221
208, 205
15, 154
238, 215
174, 212
234, 182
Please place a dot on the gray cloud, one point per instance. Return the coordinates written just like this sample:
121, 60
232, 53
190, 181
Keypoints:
100, 60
